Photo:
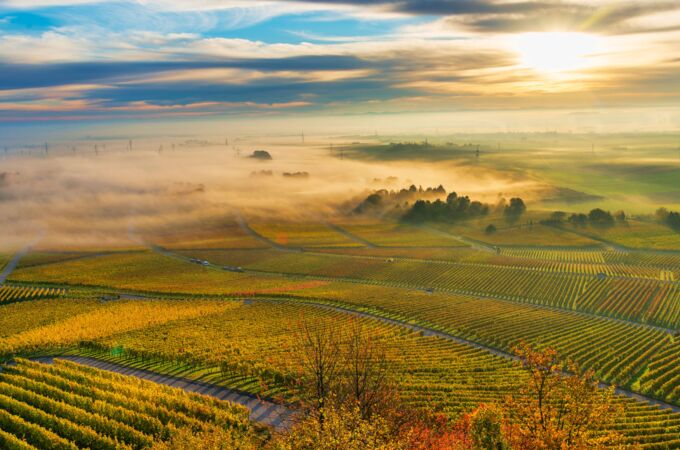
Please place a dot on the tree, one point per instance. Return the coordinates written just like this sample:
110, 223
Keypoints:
669, 218
514, 209
578, 219
367, 381
661, 214
673, 220
317, 347
216, 438
344, 428
486, 428
261, 154
558, 411
600, 217
343, 366
557, 217
490, 229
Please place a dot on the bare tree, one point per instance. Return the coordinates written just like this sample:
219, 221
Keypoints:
367, 374
319, 352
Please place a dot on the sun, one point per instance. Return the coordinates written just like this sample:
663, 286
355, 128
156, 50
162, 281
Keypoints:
555, 52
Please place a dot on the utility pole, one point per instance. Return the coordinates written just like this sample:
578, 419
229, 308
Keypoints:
47, 150
302, 135
130, 145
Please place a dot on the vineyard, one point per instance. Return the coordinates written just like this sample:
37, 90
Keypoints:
69, 406
597, 289
155, 273
181, 307
116, 317
254, 341
18, 293
211, 234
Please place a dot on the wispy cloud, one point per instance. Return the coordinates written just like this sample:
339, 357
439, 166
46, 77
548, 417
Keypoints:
153, 57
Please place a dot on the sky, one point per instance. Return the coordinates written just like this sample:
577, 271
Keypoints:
74, 64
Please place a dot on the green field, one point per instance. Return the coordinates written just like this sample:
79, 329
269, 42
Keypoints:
634, 172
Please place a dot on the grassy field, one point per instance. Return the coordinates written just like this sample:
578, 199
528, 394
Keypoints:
634, 172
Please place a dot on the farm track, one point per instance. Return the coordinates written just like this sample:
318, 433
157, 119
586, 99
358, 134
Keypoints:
618, 247
426, 331
13, 263
261, 411
254, 234
479, 245
350, 236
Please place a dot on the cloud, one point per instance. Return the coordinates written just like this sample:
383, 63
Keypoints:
174, 57
49, 47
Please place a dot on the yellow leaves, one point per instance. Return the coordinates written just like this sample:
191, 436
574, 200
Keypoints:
117, 317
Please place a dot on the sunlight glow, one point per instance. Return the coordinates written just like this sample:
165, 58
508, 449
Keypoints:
555, 52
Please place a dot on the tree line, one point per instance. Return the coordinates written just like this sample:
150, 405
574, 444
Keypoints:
434, 204
597, 217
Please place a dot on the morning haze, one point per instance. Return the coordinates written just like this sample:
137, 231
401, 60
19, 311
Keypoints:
337, 224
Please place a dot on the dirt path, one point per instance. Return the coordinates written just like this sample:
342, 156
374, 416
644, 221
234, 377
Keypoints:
477, 245
350, 236
254, 234
261, 411
12, 264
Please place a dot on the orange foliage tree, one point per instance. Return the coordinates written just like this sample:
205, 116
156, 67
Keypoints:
559, 410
